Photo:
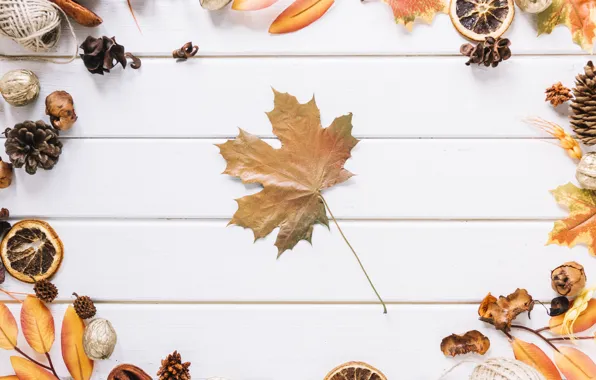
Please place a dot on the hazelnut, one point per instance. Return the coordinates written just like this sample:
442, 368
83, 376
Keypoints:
60, 108
5, 174
568, 279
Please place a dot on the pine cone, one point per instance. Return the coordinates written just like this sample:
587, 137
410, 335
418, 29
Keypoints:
557, 94
102, 54
583, 107
84, 306
489, 52
33, 144
45, 291
172, 368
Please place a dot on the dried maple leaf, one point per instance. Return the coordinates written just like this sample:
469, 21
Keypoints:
578, 15
502, 311
580, 225
407, 11
311, 159
472, 341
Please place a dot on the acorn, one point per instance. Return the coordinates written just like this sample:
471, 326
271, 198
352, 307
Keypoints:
84, 306
568, 279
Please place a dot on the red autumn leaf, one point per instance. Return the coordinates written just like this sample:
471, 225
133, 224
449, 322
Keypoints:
533, 356
574, 364
299, 15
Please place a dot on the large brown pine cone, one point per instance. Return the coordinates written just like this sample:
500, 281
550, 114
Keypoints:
172, 368
489, 52
33, 144
583, 107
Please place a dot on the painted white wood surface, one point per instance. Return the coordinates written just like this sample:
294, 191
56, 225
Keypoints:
350, 27
203, 261
450, 200
293, 342
389, 97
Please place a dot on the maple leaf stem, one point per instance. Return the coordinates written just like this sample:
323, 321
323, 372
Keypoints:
31, 359
355, 255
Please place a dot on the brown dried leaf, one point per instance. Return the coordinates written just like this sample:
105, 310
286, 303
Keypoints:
502, 311
472, 341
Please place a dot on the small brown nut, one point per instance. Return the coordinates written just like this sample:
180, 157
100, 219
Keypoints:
128, 372
60, 108
5, 174
568, 279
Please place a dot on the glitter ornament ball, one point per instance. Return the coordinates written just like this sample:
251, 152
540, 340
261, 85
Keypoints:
19, 87
99, 339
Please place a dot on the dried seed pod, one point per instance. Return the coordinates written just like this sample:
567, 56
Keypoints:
19, 87
586, 171
568, 279
99, 339
60, 108
5, 174
558, 306
128, 372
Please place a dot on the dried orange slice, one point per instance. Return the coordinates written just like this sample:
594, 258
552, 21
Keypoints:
478, 19
31, 249
355, 371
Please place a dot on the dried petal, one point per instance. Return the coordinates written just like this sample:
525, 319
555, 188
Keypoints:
502, 311
472, 341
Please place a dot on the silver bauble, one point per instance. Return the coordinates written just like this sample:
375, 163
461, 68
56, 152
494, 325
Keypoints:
586, 171
19, 87
533, 6
99, 339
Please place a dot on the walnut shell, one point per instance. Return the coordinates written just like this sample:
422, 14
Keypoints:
568, 279
19, 87
586, 171
5, 174
60, 108
99, 339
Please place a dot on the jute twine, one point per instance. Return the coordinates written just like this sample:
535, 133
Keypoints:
35, 25
499, 369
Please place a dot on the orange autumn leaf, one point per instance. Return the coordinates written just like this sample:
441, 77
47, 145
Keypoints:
37, 324
8, 328
11, 377
77, 362
580, 225
300, 14
586, 320
574, 364
578, 15
27, 370
311, 159
251, 5
407, 11
533, 356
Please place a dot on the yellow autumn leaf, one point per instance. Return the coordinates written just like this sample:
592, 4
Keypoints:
75, 359
533, 356
580, 304
37, 324
27, 370
8, 328
574, 364
578, 15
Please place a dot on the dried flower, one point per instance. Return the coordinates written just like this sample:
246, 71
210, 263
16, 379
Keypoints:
566, 142
472, 341
60, 108
489, 52
568, 279
186, 51
5, 174
102, 54
557, 94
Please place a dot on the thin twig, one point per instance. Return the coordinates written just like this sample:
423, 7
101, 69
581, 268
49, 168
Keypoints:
545, 328
52, 365
30, 358
537, 334
564, 338
132, 12
10, 295
355, 255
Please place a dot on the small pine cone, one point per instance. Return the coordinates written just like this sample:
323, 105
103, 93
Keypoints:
172, 368
45, 291
32, 145
583, 106
84, 306
557, 94
489, 52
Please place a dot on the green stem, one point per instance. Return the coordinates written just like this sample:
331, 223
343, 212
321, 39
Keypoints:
355, 255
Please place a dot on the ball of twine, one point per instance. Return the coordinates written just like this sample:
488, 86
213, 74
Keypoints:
499, 369
34, 24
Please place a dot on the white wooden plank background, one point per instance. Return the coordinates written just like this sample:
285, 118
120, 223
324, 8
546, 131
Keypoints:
451, 198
